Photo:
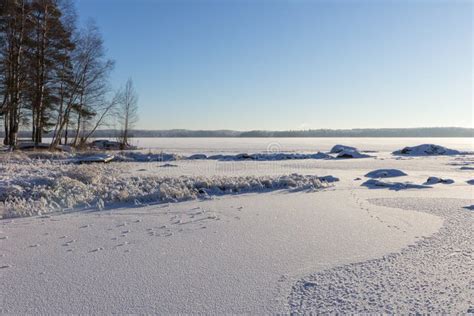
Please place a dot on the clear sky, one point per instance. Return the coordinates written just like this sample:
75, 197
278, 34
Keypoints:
279, 65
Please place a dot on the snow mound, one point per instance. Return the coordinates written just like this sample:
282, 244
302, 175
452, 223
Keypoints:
385, 173
436, 180
329, 179
351, 154
45, 187
339, 148
426, 150
396, 186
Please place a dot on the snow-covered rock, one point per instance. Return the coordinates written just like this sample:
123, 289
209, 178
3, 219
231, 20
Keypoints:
378, 184
144, 157
385, 173
197, 157
426, 150
351, 154
435, 180
104, 158
471, 182
329, 179
339, 148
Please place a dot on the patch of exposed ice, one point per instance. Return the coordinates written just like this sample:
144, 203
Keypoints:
426, 150
385, 173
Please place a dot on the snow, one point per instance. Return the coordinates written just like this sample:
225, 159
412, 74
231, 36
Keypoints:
385, 173
261, 237
40, 188
426, 150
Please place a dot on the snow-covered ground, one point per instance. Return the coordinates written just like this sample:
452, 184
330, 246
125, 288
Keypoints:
216, 236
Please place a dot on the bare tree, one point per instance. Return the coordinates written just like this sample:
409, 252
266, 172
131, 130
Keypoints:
13, 38
127, 112
88, 87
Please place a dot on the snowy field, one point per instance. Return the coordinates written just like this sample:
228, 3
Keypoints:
247, 226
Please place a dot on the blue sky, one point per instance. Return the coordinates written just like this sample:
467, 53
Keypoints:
280, 65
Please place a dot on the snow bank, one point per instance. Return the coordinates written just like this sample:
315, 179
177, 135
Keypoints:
436, 180
426, 150
46, 187
385, 173
377, 184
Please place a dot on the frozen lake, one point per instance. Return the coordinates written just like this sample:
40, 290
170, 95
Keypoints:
238, 145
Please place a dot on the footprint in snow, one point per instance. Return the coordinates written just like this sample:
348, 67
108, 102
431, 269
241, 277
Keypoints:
85, 226
5, 266
97, 249
34, 246
3, 237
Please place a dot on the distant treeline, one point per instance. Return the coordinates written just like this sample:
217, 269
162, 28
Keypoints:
366, 132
